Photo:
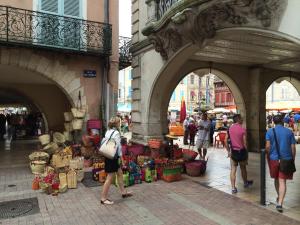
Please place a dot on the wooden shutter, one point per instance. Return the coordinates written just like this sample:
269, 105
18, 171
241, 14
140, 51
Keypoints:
49, 6
72, 8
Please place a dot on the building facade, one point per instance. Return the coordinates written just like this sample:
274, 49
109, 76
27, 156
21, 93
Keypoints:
223, 95
54, 51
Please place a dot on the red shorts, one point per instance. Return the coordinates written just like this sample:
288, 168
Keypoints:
275, 173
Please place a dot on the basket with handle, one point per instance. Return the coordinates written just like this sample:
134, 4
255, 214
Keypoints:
68, 126
77, 124
51, 148
44, 139
59, 138
68, 116
78, 111
189, 155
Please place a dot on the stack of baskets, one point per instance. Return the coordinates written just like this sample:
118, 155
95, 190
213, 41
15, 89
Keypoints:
68, 126
49, 147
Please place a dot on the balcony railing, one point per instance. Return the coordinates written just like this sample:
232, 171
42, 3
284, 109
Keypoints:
164, 6
43, 30
125, 57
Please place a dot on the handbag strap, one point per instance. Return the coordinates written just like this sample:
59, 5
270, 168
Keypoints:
276, 143
111, 136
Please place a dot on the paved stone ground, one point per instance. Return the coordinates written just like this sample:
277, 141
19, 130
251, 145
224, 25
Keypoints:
184, 202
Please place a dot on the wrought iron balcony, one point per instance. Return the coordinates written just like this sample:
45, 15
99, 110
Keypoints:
43, 30
164, 6
125, 57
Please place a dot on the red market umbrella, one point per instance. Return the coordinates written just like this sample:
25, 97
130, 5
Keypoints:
182, 111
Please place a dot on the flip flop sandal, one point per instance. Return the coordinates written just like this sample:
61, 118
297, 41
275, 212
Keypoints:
129, 194
106, 202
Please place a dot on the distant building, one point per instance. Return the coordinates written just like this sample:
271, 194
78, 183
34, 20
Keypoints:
125, 90
223, 95
188, 88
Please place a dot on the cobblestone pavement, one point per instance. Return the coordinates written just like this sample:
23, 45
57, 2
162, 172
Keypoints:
184, 202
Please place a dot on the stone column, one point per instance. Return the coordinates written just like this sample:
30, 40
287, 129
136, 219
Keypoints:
255, 106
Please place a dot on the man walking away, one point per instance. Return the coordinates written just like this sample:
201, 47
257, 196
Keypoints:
236, 145
202, 143
280, 147
186, 130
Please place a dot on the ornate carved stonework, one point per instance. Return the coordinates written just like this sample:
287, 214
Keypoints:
195, 24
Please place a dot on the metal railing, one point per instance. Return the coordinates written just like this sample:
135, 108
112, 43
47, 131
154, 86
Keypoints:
125, 56
164, 6
44, 30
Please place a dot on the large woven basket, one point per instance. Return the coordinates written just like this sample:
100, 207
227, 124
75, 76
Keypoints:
68, 116
35, 156
77, 124
79, 175
195, 168
51, 148
44, 139
78, 113
59, 138
37, 167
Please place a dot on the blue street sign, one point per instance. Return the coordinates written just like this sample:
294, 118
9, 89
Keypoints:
89, 73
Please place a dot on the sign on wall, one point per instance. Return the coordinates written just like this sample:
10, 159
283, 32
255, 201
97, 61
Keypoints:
89, 73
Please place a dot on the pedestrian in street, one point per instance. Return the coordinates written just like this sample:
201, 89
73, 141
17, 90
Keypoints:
281, 152
212, 129
286, 120
186, 130
202, 143
113, 166
193, 130
236, 145
2, 126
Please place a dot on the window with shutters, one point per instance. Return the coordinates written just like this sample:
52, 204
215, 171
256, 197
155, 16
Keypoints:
59, 30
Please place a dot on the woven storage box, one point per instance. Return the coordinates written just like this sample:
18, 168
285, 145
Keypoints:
68, 116
60, 160
44, 139
62, 179
72, 179
172, 177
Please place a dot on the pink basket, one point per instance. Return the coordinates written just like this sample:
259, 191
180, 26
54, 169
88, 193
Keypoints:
195, 168
136, 149
93, 124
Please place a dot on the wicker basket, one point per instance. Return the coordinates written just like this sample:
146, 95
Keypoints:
68, 136
189, 155
78, 113
51, 148
35, 156
154, 143
62, 179
59, 138
77, 124
196, 168
38, 167
72, 179
44, 139
68, 126
59, 160
68, 116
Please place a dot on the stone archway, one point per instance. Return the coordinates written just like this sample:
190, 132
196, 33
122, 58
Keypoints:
48, 67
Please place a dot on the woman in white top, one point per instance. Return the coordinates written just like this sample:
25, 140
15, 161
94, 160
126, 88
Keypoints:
113, 166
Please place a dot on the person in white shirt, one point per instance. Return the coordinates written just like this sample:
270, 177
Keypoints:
202, 143
186, 123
